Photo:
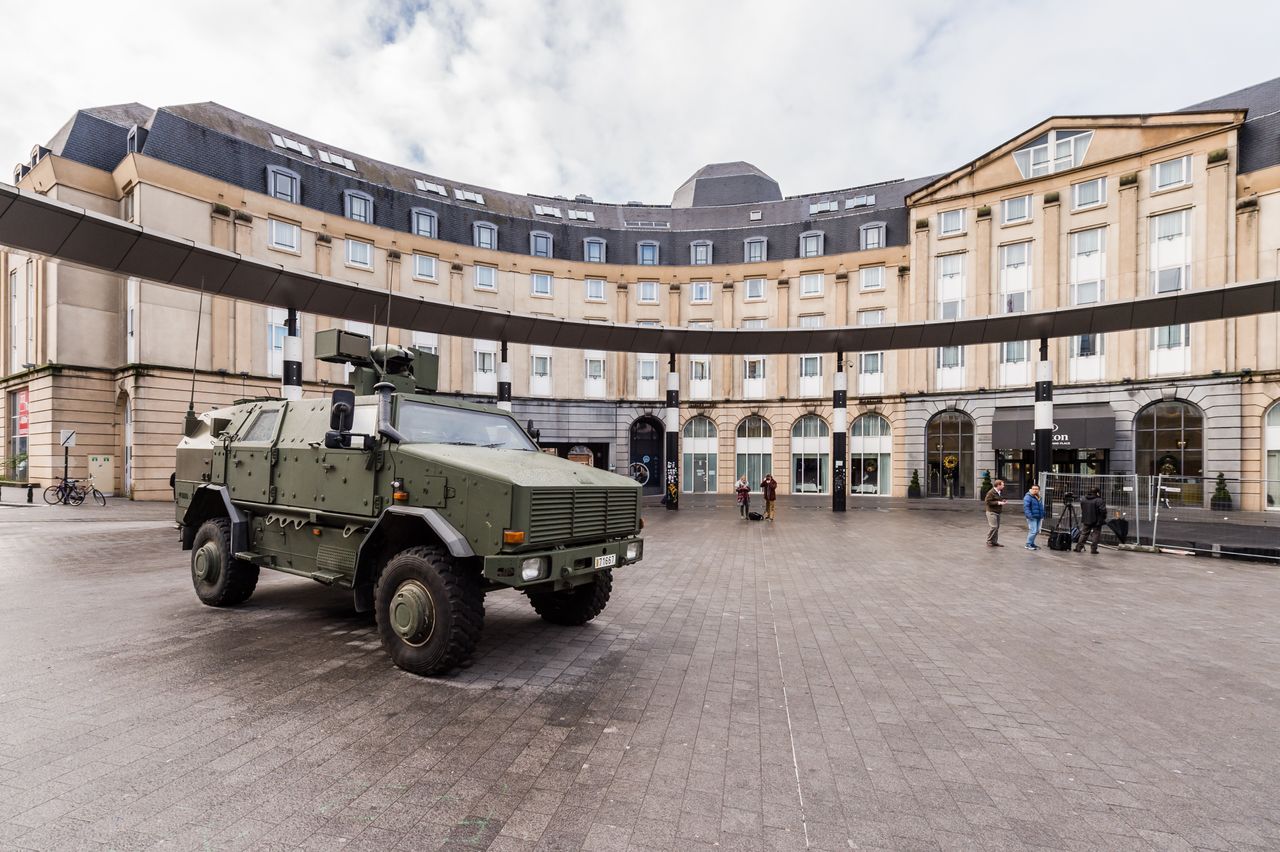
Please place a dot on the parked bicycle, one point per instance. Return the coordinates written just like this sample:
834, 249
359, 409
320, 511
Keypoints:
73, 492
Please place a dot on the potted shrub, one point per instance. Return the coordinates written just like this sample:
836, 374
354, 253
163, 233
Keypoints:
913, 490
1221, 499
985, 486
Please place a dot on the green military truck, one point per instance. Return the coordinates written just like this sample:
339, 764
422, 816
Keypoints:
416, 504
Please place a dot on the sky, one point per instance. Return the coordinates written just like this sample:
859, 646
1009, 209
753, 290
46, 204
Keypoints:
624, 100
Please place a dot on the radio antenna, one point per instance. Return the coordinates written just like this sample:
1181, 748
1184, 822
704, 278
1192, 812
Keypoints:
373, 329
189, 422
386, 337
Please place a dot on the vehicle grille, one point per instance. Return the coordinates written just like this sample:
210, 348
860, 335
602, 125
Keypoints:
568, 514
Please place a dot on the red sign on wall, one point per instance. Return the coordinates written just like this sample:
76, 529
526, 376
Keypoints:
24, 413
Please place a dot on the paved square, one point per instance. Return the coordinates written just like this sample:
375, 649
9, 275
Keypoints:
874, 680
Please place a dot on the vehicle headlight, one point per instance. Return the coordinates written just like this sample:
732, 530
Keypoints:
531, 568
633, 551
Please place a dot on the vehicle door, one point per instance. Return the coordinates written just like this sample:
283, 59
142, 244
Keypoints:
251, 455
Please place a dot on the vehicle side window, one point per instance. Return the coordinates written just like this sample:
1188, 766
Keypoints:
264, 426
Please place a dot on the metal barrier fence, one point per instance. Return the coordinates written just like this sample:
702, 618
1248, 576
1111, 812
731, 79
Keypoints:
1214, 516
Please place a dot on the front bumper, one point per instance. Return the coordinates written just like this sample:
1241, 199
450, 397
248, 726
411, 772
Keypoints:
564, 568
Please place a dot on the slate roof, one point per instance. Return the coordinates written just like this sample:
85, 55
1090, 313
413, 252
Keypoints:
719, 184
1259, 136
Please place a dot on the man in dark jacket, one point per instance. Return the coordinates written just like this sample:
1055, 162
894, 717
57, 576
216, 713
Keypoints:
769, 488
994, 504
1093, 514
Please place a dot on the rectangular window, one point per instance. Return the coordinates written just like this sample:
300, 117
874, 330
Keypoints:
540, 245
950, 356
811, 245
700, 369
583, 215
359, 208
753, 367
359, 253
871, 278
428, 341
647, 292
486, 277
870, 363
1172, 337
811, 284
1170, 252
485, 236
128, 205
1013, 210
424, 223
871, 236
811, 321
1088, 265
1090, 193
541, 367
755, 323
283, 235
950, 286
428, 186
701, 294
595, 289
595, 369
486, 362
424, 266
540, 284
810, 366
283, 185
468, 195
867, 200
700, 254
647, 369
871, 317
593, 250
823, 207
647, 254
950, 223
1013, 352
755, 289
276, 332
755, 251
1015, 277
546, 210
1171, 174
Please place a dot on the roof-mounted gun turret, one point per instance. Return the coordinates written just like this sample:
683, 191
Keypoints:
407, 369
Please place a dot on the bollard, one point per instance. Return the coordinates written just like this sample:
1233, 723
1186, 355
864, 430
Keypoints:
30, 492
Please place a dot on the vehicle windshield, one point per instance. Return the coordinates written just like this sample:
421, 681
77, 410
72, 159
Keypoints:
423, 423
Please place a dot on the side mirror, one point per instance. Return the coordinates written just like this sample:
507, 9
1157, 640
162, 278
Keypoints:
343, 415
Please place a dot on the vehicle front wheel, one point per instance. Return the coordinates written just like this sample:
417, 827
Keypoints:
53, 495
220, 579
429, 609
576, 606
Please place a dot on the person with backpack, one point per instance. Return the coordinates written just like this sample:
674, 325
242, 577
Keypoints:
1033, 509
1093, 514
743, 490
769, 490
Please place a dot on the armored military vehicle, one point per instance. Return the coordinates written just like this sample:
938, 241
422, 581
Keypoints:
414, 503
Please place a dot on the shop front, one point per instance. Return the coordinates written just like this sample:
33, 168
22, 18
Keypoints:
1083, 438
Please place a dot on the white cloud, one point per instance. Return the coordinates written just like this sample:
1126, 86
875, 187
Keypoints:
623, 100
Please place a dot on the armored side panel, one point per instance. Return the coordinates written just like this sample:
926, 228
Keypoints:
341, 347
426, 370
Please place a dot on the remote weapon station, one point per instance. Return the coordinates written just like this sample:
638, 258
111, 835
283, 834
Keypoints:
416, 504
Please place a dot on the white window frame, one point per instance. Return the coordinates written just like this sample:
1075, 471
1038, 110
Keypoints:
352, 260
418, 262
479, 228
640, 253
956, 217
695, 249
351, 201
589, 285
872, 235
420, 215
534, 237
700, 292
873, 274
871, 317
278, 227
540, 278
757, 297
807, 280
1101, 183
1007, 218
642, 287
1185, 180
812, 244
277, 331
1076, 140
1159, 246
944, 278
294, 196
752, 242
1007, 274
492, 274
594, 241
1075, 257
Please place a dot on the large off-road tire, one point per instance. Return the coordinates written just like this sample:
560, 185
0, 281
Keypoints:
576, 606
429, 609
220, 579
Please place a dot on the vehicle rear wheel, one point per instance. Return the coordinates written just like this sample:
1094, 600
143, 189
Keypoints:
53, 495
576, 606
429, 610
99, 497
220, 579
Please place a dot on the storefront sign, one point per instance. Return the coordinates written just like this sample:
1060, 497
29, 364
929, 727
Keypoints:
1091, 426
24, 413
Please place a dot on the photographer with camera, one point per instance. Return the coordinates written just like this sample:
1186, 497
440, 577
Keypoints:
1093, 514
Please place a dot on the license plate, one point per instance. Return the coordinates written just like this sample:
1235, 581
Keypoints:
607, 561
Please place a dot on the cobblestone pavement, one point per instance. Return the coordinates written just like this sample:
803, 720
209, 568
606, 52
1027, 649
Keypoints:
874, 680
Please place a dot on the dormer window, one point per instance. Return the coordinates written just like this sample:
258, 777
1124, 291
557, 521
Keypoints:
700, 253
358, 206
1055, 151
283, 184
540, 244
424, 222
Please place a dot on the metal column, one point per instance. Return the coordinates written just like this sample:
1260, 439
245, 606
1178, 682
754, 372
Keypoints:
1044, 410
504, 380
840, 428
673, 435
291, 372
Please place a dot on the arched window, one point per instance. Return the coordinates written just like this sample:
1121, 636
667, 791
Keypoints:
1272, 436
753, 448
870, 449
699, 456
810, 456
1169, 439
949, 454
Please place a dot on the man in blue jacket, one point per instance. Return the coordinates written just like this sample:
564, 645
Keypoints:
1034, 510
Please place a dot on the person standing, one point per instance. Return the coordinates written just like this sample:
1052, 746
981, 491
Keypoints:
1093, 514
769, 489
1033, 509
994, 503
743, 491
